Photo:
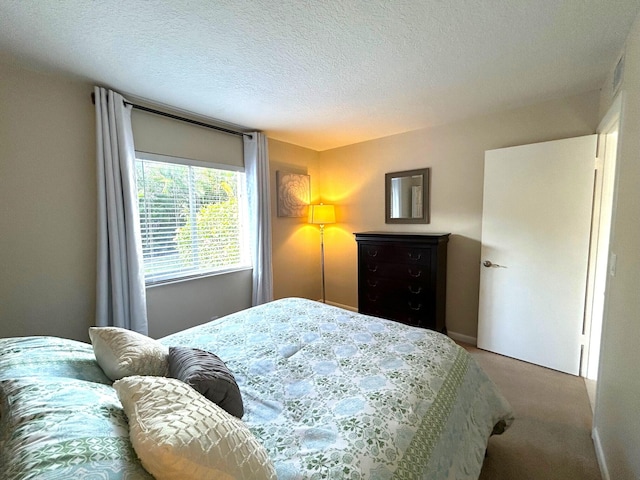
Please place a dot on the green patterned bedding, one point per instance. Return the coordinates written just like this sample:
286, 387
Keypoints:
336, 394
59, 416
330, 393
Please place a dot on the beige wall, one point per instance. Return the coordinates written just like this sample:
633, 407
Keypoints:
353, 178
48, 221
617, 415
48, 281
176, 306
47, 205
296, 245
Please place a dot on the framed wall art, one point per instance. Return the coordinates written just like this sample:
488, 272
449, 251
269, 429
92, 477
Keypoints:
293, 194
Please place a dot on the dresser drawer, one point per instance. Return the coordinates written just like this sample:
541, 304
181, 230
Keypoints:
390, 254
401, 271
393, 292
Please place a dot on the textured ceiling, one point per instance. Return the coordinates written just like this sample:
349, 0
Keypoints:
325, 73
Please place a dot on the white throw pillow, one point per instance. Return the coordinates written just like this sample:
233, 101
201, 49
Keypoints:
179, 434
121, 352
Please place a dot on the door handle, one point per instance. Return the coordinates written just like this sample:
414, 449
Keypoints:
490, 264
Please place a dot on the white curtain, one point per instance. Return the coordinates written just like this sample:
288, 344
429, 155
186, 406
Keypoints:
121, 296
256, 163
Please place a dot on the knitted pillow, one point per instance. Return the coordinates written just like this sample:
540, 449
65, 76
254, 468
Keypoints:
121, 352
180, 435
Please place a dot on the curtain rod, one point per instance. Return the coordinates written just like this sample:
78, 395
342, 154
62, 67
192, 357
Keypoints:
176, 117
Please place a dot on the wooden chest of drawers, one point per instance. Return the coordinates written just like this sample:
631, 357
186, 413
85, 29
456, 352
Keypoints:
403, 277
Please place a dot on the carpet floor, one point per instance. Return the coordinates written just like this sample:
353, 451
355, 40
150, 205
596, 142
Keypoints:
550, 438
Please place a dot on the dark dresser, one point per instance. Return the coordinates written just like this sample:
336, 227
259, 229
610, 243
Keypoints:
403, 277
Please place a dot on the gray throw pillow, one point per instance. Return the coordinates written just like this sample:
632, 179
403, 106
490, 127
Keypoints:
207, 374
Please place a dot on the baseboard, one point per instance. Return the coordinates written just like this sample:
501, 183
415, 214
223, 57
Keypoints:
600, 454
340, 305
458, 337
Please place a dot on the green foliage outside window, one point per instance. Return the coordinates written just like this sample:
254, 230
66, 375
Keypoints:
190, 218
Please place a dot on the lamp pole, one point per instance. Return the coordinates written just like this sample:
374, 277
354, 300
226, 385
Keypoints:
324, 300
322, 215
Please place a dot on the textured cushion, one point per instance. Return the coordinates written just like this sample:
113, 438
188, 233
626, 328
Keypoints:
122, 352
207, 374
179, 434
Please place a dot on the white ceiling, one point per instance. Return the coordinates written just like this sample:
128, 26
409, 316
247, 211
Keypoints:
325, 73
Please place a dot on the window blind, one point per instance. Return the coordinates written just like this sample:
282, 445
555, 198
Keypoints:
192, 218
164, 136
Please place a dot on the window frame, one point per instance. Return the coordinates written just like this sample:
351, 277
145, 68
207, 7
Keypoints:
243, 204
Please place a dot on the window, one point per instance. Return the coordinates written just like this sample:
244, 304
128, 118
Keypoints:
193, 217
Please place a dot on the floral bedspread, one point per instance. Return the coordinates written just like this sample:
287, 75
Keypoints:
335, 394
331, 394
59, 416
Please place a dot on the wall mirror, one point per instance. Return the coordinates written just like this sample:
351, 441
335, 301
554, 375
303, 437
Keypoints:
407, 196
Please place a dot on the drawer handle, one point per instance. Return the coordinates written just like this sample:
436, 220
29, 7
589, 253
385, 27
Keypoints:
414, 256
372, 269
415, 308
415, 275
415, 292
372, 283
372, 298
373, 253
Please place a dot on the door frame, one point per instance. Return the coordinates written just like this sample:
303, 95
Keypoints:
601, 232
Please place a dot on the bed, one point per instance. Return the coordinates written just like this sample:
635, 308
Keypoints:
327, 392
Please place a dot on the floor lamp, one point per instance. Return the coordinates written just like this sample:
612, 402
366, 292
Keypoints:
322, 215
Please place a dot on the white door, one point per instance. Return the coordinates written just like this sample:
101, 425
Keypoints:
536, 223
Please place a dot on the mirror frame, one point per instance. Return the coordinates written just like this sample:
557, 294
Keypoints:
425, 218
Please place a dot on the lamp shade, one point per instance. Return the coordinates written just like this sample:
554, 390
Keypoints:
322, 214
